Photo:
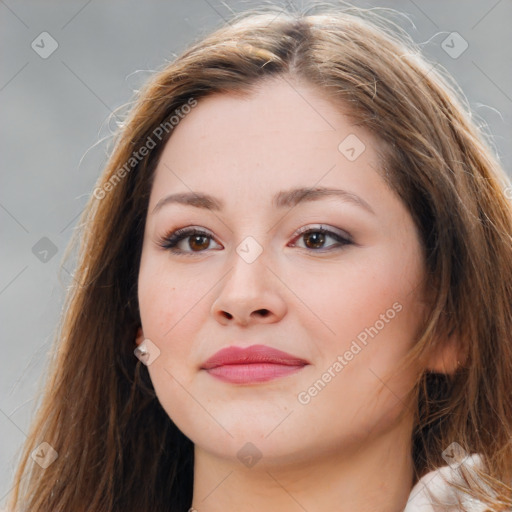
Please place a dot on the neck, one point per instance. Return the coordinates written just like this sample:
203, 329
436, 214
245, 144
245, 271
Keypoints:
376, 477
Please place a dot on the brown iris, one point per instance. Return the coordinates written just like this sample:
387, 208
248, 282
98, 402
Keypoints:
198, 238
318, 239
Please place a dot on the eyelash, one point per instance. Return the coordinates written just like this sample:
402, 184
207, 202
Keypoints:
170, 241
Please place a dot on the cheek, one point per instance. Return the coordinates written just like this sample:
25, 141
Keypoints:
168, 300
372, 311
367, 396
346, 300
168, 308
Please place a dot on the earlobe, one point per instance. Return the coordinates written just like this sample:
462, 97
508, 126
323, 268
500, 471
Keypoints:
139, 338
446, 357
448, 353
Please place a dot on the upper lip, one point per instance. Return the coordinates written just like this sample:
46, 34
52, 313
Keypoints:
251, 355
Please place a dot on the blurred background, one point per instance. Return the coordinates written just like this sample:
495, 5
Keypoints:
66, 66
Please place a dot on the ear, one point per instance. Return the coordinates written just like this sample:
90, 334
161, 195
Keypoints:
139, 338
447, 355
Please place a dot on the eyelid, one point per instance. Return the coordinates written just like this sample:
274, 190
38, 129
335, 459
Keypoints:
313, 227
186, 232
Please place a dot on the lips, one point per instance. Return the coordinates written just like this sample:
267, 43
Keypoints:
257, 363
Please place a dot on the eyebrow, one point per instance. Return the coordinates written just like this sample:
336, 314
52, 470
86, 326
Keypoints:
283, 199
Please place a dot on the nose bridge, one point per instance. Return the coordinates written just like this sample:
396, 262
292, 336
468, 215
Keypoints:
249, 264
249, 286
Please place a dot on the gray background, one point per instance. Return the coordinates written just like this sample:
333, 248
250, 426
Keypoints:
54, 127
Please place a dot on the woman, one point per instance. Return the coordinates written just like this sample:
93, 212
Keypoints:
218, 351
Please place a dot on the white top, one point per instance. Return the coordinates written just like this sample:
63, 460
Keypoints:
435, 482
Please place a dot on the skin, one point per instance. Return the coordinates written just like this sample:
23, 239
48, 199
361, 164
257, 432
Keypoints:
349, 448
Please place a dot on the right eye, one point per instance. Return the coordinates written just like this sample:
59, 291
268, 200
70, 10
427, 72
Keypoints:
199, 241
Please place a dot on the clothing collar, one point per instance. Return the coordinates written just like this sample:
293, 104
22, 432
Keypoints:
432, 492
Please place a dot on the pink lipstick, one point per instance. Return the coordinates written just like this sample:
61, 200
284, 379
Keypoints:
257, 363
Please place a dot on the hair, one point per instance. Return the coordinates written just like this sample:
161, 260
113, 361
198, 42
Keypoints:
117, 448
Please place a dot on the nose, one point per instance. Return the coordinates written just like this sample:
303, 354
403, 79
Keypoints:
249, 293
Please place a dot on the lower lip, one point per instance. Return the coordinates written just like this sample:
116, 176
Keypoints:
247, 373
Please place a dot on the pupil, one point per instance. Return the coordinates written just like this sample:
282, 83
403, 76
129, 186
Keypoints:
319, 236
195, 238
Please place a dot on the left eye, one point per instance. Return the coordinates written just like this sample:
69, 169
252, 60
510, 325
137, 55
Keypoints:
316, 237
199, 240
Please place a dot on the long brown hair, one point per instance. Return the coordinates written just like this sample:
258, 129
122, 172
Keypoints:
117, 448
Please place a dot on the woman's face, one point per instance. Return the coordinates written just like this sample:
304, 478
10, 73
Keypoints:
346, 303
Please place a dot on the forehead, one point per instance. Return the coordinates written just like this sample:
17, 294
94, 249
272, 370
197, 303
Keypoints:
274, 107
282, 135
